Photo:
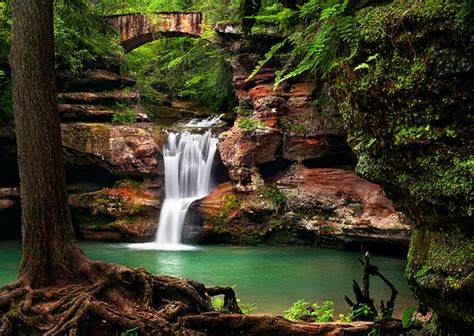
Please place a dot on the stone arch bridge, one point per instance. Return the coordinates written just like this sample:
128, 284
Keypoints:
137, 29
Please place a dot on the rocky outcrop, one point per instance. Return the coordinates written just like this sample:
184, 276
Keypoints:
122, 149
409, 118
92, 81
282, 122
124, 213
242, 150
328, 207
99, 98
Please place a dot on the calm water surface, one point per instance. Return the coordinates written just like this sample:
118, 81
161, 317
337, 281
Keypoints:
271, 277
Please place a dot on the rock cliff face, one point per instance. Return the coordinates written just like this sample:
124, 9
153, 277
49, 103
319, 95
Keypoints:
122, 149
277, 123
274, 197
322, 206
409, 118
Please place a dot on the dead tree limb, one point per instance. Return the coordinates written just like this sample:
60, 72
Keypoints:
362, 295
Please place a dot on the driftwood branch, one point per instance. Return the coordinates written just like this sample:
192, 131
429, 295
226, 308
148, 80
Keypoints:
362, 295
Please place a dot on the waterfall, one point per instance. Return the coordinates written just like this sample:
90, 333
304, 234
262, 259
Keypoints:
188, 162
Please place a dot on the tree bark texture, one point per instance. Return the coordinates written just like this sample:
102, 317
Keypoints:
49, 245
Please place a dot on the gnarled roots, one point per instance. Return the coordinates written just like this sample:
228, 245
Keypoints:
120, 299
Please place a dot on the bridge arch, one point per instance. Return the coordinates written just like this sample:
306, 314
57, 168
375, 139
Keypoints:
137, 29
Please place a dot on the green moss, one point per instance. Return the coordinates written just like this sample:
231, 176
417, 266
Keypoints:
408, 113
250, 124
273, 194
128, 183
220, 221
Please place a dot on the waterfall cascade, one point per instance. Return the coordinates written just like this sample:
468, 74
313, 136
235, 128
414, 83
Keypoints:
188, 163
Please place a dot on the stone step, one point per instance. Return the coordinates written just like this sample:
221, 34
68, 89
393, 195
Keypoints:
93, 81
99, 98
93, 113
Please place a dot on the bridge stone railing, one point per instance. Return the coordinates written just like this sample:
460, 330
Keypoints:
137, 29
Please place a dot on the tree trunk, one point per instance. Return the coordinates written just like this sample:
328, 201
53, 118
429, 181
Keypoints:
50, 250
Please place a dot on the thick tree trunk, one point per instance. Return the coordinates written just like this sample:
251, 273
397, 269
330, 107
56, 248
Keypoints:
50, 250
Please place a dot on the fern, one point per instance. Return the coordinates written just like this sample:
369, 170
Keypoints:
331, 38
268, 56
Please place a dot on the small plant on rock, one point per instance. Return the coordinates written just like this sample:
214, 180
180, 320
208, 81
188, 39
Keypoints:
316, 312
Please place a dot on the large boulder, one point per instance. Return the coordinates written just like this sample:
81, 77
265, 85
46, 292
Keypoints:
122, 149
242, 150
124, 213
328, 207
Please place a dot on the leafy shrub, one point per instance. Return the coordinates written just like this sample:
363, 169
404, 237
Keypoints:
304, 311
186, 68
125, 115
250, 124
128, 183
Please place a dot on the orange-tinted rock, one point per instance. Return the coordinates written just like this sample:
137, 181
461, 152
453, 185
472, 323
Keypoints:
242, 150
330, 207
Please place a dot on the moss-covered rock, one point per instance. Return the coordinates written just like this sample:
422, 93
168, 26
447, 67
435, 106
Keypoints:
127, 212
407, 103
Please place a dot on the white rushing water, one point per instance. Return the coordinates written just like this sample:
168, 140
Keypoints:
208, 122
188, 163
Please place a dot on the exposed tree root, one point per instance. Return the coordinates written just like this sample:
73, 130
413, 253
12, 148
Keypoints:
123, 298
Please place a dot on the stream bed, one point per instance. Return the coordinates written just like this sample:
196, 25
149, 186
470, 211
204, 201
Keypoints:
271, 277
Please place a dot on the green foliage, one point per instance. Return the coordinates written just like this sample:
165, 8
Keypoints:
213, 11
322, 36
221, 220
125, 115
273, 193
82, 37
250, 124
362, 312
304, 311
128, 183
407, 316
291, 126
131, 332
186, 68
246, 308
5, 26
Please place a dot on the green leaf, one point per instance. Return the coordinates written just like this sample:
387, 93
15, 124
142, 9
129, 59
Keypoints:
362, 66
407, 316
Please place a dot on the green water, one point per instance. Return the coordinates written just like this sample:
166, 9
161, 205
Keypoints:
271, 277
